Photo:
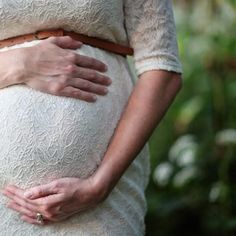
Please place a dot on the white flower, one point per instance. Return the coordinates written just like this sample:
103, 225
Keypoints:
215, 192
187, 157
163, 173
226, 137
183, 176
183, 151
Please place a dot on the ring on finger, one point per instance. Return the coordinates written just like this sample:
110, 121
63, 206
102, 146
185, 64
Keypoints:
39, 218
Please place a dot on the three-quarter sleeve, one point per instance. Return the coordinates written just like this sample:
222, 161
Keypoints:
151, 32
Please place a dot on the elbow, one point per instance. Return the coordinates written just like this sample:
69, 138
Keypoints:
167, 83
172, 81
173, 86
177, 81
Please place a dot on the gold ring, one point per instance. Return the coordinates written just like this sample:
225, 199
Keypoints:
39, 218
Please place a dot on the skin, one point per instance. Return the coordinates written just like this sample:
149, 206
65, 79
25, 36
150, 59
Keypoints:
150, 99
56, 69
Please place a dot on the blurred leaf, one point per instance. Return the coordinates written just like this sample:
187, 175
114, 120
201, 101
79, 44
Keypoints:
189, 110
205, 109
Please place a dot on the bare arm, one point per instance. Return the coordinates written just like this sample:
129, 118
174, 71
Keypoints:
150, 99
148, 103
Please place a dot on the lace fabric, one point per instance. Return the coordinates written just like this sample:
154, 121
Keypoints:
147, 25
44, 137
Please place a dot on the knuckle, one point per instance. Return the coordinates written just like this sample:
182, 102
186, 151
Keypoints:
76, 94
56, 185
37, 192
71, 69
44, 207
71, 56
67, 37
63, 81
52, 39
93, 75
55, 88
86, 84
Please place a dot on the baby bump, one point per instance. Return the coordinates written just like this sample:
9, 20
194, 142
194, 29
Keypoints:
44, 137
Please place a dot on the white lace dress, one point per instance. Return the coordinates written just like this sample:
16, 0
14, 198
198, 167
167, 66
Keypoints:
43, 137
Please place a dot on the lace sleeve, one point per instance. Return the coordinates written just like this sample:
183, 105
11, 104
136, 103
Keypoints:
151, 32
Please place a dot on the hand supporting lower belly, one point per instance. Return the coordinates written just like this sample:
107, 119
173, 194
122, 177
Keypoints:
64, 197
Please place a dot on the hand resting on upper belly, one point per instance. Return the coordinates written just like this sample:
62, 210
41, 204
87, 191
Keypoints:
51, 67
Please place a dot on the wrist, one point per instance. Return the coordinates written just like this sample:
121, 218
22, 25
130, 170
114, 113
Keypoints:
12, 67
101, 186
107, 175
22, 64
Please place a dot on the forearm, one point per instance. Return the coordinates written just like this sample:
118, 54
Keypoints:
6, 81
150, 99
11, 67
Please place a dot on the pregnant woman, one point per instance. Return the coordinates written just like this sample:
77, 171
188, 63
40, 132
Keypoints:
72, 164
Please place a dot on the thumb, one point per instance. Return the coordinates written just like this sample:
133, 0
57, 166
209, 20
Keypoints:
65, 42
39, 191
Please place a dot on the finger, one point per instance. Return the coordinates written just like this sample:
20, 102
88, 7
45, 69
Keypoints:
34, 221
78, 94
32, 193
92, 75
43, 205
20, 201
13, 191
48, 202
40, 191
22, 210
65, 42
30, 216
90, 62
88, 86
58, 89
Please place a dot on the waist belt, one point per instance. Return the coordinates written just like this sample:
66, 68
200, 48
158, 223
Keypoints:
92, 41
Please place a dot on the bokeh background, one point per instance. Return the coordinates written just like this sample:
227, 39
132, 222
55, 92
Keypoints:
192, 190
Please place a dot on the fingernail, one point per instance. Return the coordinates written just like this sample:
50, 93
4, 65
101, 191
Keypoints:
109, 81
105, 90
105, 68
78, 44
94, 97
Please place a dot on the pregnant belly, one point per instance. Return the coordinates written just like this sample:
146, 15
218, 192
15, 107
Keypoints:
44, 137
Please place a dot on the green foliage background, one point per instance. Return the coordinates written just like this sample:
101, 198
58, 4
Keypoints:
192, 190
